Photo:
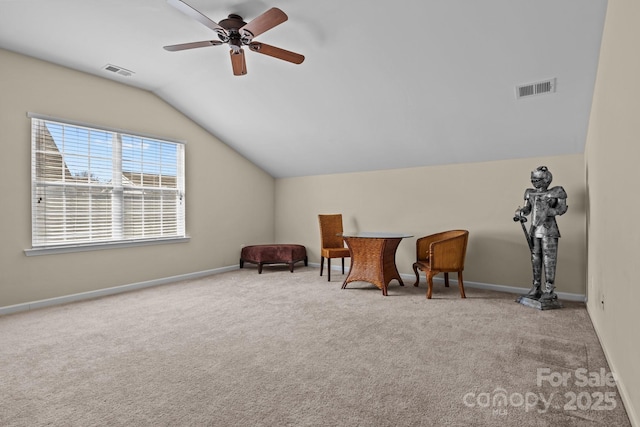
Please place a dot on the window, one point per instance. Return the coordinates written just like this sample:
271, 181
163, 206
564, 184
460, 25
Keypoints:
97, 186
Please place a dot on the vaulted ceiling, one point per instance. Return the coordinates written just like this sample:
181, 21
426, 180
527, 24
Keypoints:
384, 85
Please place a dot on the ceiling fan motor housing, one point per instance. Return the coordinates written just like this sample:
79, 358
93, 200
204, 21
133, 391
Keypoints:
232, 25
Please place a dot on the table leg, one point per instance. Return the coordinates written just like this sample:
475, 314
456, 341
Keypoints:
389, 262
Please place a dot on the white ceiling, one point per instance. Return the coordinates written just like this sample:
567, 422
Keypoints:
384, 84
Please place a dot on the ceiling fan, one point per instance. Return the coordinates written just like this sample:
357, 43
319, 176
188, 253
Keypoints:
237, 33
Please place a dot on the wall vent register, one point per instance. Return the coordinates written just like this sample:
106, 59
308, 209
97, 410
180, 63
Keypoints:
538, 88
118, 70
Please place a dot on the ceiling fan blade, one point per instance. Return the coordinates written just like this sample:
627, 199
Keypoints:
264, 22
276, 52
193, 13
192, 45
238, 63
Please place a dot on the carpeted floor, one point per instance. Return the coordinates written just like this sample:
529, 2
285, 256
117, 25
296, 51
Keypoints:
291, 349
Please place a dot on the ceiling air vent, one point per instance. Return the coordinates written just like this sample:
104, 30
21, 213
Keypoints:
538, 88
118, 70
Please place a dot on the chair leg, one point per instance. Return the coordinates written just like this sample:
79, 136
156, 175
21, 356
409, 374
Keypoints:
342, 265
328, 269
461, 285
415, 270
321, 264
430, 285
446, 279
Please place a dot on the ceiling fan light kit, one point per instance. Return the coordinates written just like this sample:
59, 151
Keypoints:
237, 33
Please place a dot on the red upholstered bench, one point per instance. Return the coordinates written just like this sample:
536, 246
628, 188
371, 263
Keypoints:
273, 254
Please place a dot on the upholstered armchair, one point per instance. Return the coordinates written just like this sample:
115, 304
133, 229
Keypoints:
441, 253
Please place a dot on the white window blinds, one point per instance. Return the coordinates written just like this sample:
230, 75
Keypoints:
93, 186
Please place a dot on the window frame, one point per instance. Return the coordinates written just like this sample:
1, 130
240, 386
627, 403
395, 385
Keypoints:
79, 246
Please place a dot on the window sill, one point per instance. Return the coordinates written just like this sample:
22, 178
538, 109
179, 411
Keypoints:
101, 246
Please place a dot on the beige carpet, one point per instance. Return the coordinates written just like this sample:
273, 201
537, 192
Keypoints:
290, 349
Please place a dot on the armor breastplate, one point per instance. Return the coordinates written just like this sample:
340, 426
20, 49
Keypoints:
542, 223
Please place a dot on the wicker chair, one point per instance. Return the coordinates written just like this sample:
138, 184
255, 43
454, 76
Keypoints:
331, 243
441, 253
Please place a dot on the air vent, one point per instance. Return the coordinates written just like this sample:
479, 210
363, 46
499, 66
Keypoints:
538, 88
118, 70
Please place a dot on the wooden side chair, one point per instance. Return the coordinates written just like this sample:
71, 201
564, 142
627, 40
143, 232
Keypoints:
441, 253
331, 242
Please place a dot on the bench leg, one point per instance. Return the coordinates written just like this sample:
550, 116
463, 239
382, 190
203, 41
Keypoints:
259, 268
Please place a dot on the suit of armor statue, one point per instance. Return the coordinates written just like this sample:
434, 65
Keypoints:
544, 204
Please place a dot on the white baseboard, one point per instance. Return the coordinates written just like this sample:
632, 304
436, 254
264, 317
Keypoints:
567, 296
630, 406
109, 291
478, 285
502, 288
134, 286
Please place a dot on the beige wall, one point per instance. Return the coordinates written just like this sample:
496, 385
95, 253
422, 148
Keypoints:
229, 200
480, 197
612, 156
